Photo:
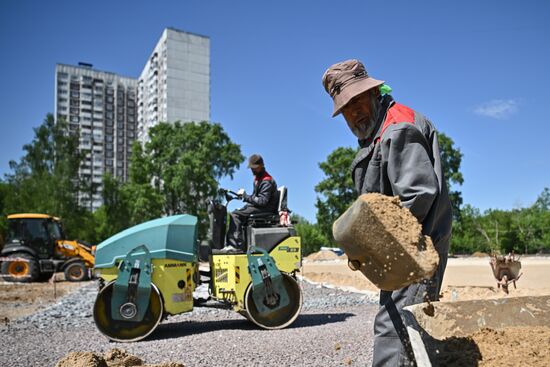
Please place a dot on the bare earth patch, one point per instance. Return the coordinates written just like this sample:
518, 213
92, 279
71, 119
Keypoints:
469, 279
23, 299
511, 346
113, 358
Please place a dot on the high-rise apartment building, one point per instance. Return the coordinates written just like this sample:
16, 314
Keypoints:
102, 108
175, 82
109, 111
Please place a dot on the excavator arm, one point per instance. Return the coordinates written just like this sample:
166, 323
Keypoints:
70, 248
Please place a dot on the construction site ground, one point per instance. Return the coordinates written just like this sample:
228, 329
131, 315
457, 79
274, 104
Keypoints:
465, 278
339, 308
23, 299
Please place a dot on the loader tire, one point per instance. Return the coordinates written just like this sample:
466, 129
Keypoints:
24, 268
76, 272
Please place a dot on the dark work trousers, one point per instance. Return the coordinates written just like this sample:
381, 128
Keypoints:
391, 341
236, 221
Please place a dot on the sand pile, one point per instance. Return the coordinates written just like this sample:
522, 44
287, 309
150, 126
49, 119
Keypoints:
512, 346
323, 256
113, 358
384, 240
479, 254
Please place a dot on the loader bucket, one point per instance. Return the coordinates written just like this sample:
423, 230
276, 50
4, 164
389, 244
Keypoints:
453, 322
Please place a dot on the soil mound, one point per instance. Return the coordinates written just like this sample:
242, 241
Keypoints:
113, 358
323, 256
513, 346
384, 241
479, 254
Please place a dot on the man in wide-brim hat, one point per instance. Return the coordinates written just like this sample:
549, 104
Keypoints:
398, 156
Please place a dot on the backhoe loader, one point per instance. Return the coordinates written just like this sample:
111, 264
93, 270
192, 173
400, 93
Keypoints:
36, 248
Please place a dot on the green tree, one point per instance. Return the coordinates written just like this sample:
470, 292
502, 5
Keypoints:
543, 201
186, 162
46, 178
466, 236
143, 201
113, 216
336, 191
4, 193
311, 236
451, 158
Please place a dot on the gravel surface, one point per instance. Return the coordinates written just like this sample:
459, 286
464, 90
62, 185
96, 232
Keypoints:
333, 329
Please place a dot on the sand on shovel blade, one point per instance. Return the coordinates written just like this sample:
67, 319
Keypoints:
385, 242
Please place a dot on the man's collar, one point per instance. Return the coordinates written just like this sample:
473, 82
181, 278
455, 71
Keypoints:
385, 103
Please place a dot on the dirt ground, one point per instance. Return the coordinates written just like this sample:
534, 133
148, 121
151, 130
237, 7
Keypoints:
113, 358
517, 346
468, 278
22, 299
465, 278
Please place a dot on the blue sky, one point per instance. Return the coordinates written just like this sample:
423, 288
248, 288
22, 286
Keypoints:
478, 69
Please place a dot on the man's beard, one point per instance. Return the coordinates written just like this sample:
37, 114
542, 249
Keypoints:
364, 128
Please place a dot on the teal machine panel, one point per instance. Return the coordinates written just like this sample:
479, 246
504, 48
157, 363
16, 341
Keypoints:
173, 237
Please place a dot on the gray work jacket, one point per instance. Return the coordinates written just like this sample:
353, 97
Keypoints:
403, 160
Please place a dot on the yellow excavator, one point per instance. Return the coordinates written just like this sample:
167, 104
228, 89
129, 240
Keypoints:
36, 248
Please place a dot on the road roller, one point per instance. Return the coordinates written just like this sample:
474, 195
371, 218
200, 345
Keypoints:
152, 270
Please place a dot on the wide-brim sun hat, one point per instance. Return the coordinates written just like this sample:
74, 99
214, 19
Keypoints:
346, 80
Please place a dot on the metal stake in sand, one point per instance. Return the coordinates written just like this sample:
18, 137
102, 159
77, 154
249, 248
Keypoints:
52, 281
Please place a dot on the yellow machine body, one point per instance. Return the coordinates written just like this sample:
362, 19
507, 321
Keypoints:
71, 248
230, 276
175, 280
